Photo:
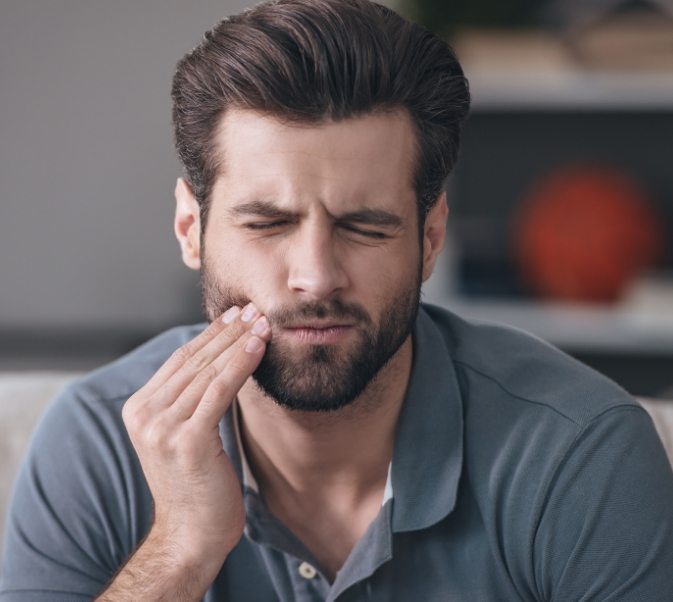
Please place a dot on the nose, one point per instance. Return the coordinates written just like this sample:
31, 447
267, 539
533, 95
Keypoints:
316, 270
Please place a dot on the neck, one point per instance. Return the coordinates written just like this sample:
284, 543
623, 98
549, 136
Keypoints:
341, 455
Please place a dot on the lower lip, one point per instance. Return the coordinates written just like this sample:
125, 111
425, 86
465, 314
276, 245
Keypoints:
320, 336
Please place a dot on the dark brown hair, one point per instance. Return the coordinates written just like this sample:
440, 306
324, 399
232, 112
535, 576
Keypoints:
309, 61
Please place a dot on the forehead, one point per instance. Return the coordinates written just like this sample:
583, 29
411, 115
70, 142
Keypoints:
366, 159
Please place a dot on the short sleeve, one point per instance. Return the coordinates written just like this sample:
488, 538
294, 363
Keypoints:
79, 507
606, 532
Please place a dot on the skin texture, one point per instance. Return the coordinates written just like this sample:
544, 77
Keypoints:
317, 226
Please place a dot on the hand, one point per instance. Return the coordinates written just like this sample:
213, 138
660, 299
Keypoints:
173, 423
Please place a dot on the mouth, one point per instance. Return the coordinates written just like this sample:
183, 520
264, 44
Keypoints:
318, 333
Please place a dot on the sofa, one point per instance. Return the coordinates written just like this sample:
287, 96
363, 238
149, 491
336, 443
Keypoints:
23, 396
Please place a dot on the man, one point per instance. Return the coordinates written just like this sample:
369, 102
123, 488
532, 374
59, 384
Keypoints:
325, 437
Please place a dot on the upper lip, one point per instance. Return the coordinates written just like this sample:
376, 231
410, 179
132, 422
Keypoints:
319, 325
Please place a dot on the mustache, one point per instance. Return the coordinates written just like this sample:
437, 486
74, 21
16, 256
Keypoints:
216, 299
333, 309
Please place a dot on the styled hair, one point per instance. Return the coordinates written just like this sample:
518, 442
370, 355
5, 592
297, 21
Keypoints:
313, 61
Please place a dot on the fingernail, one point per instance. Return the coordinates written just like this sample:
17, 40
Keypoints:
249, 312
229, 315
260, 326
253, 345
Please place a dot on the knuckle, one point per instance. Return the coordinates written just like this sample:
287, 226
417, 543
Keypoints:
236, 327
128, 412
133, 416
239, 363
182, 354
206, 375
197, 363
232, 332
220, 388
156, 437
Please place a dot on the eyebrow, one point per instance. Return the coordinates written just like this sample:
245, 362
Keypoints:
372, 217
259, 209
266, 209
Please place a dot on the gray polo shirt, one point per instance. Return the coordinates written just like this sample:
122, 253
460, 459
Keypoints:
517, 474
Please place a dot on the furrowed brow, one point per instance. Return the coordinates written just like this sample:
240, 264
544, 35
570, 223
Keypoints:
259, 209
372, 217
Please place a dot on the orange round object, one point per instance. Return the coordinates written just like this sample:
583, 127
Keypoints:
583, 233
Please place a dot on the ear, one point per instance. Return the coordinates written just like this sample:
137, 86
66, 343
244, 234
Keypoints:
434, 233
187, 224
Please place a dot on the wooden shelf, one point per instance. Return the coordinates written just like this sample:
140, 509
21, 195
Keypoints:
565, 90
641, 324
577, 327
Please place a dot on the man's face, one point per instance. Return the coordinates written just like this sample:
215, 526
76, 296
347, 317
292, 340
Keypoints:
317, 225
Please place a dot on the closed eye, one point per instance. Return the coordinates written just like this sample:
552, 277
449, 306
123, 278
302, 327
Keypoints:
368, 233
266, 225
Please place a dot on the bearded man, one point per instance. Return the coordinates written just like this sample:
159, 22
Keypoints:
326, 436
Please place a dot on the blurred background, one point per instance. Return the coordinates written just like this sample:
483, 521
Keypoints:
561, 203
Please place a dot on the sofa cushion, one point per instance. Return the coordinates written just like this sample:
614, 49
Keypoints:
23, 396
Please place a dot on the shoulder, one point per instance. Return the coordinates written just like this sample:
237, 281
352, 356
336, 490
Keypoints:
85, 417
93, 402
506, 367
549, 446
125, 375
530, 410
81, 433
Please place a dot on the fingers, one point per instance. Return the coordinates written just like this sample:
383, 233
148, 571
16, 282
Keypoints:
225, 374
203, 378
190, 361
197, 366
207, 399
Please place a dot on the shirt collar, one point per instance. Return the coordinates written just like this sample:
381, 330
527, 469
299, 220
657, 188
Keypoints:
247, 478
428, 453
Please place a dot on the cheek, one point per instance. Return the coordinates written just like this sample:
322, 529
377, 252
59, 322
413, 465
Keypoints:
252, 270
388, 275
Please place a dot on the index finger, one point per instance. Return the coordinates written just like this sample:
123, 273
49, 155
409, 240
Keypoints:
219, 394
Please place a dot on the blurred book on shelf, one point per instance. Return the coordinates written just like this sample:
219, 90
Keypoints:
633, 41
604, 34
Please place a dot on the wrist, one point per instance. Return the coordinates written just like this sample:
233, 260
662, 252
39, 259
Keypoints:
160, 569
186, 553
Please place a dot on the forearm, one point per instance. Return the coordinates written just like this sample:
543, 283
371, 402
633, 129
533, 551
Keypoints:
157, 571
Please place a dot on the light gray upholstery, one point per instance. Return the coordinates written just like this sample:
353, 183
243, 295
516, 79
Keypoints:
661, 411
23, 396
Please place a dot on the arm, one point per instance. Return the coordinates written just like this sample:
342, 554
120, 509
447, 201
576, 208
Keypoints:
607, 529
157, 572
173, 425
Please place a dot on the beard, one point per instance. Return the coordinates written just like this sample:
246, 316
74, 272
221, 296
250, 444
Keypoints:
321, 378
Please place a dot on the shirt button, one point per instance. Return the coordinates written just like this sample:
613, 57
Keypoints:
307, 571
